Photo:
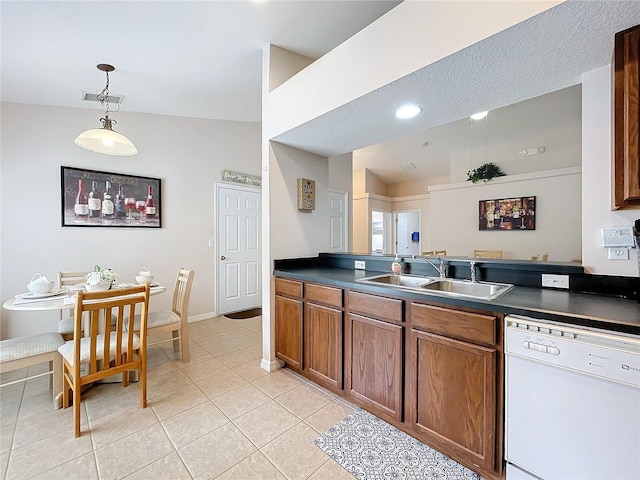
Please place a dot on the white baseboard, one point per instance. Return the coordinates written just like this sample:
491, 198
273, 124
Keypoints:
271, 366
202, 316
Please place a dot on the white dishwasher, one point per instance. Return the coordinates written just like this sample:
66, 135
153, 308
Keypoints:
572, 402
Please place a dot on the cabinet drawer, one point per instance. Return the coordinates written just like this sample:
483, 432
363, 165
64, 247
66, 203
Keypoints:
473, 327
290, 288
376, 307
325, 295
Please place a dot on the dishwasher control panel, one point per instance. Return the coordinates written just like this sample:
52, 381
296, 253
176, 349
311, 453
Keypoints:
599, 354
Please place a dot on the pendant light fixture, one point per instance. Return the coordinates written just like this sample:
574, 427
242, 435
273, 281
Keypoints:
106, 140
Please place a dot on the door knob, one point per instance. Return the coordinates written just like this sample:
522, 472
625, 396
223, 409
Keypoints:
223, 257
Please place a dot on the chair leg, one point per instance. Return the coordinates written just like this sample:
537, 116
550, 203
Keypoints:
77, 390
176, 342
56, 386
143, 385
65, 386
184, 340
125, 374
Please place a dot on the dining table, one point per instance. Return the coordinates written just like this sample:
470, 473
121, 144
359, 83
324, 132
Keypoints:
62, 299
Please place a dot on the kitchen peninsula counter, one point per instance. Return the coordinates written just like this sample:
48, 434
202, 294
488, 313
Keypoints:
586, 309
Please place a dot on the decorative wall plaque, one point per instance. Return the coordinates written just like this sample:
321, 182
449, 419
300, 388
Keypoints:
306, 194
245, 178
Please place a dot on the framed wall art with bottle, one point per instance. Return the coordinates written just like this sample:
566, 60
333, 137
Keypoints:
507, 214
90, 198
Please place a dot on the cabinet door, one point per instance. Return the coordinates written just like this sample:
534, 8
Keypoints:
288, 326
626, 118
453, 394
323, 345
376, 365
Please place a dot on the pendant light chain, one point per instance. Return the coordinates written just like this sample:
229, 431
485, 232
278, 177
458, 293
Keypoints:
104, 99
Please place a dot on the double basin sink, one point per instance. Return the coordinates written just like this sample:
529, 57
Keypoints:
445, 286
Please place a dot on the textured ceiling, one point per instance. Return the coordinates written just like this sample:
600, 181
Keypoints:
199, 59
546, 53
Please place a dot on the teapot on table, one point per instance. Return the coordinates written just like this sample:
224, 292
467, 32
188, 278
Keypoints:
39, 284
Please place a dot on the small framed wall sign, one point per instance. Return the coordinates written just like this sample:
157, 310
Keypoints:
306, 195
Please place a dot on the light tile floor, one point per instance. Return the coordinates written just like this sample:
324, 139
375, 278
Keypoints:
218, 416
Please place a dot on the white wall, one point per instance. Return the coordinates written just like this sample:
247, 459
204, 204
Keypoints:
298, 233
453, 217
187, 154
597, 161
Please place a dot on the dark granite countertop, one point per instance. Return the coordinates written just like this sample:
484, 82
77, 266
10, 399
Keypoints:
590, 310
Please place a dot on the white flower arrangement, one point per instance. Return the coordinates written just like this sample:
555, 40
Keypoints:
100, 274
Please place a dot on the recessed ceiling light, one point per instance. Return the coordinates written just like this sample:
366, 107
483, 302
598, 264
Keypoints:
408, 111
424, 144
479, 115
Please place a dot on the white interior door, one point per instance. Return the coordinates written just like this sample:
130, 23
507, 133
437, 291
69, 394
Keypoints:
407, 232
338, 221
238, 248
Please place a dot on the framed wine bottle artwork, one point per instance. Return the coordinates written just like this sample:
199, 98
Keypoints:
507, 214
90, 198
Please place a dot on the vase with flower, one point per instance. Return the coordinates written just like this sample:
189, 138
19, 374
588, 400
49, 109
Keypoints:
101, 279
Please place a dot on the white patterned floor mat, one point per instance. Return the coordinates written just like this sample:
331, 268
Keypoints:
371, 449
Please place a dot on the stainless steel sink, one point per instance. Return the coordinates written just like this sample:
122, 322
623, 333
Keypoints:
408, 281
482, 290
442, 286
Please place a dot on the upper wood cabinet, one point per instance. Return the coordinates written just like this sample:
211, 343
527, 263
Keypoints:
626, 119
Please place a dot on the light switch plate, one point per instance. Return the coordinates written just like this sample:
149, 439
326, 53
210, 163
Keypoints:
555, 281
359, 264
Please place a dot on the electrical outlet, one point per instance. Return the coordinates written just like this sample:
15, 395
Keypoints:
359, 264
555, 281
618, 253
211, 242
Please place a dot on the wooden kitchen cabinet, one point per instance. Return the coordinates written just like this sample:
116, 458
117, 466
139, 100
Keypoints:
453, 385
288, 322
375, 354
323, 336
627, 119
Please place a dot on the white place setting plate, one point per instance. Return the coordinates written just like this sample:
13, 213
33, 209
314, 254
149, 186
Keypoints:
52, 293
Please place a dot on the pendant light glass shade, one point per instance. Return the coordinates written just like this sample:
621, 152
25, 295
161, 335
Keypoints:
105, 140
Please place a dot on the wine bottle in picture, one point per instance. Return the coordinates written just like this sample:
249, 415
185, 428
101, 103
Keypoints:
150, 208
95, 203
107, 202
81, 207
120, 207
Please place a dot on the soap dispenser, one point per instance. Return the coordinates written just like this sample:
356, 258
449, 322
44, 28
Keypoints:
396, 267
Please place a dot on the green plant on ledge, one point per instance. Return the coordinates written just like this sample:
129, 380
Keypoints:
485, 173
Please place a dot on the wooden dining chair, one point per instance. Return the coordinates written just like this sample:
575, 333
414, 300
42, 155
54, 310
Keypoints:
487, 253
176, 320
104, 348
66, 280
545, 256
429, 253
441, 252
